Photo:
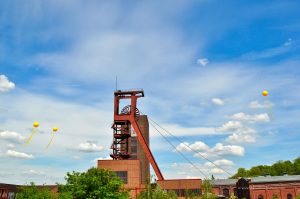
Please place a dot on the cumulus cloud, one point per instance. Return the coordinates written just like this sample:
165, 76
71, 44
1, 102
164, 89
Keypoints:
207, 168
257, 105
204, 150
12, 136
16, 154
216, 171
220, 162
197, 146
89, 147
185, 146
223, 162
202, 61
241, 138
263, 117
217, 101
230, 126
228, 149
5, 84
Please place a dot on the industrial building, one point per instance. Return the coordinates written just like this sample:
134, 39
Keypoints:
262, 187
131, 158
131, 153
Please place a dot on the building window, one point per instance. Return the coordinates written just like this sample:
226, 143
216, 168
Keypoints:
226, 192
123, 175
260, 196
289, 196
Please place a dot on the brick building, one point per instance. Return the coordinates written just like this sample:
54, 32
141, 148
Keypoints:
263, 187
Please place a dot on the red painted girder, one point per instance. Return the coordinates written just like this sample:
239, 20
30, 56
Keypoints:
146, 149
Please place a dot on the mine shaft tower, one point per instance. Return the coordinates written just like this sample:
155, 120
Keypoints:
123, 121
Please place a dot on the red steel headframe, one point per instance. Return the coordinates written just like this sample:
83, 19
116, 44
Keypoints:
133, 95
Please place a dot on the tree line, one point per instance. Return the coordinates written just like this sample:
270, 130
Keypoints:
103, 184
277, 169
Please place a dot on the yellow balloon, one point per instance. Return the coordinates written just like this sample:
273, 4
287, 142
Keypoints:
55, 129
36, 124
265, 93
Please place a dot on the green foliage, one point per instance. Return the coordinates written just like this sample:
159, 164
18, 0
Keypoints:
297, 197
206, 186
95, 183
207, 190
189, 194
32, 192
157, 193
277, 169
232, 196
275, 196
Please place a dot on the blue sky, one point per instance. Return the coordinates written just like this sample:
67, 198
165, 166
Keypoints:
202, 64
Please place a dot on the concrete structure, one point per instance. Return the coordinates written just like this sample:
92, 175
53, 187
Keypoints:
263, 187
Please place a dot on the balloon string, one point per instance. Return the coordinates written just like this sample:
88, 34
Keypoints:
271, 114
31, 136
50, 141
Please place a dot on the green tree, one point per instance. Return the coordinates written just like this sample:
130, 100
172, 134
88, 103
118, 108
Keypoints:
274, 196
157, 193
207, 190
278, 168
33, 192
242, 172
95, 183
297, 166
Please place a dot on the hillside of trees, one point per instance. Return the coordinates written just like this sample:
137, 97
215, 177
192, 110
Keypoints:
277, 169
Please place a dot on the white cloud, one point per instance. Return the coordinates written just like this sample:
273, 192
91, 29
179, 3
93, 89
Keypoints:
12, 136
202, 61
270, 52
10, 146
197, 146
217, 171
257, 105
230, 126
76, 157
33, 172
5, 84
183, 147
94, 161
241, 138
223, 162
220, 162
89, 147
263, 117
288, 42
204, 150
16, 154
198, 170
217, 101
221, 149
